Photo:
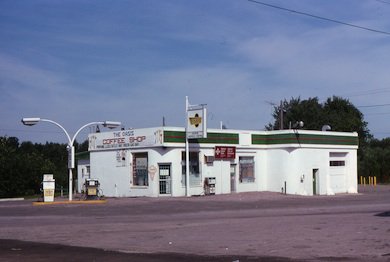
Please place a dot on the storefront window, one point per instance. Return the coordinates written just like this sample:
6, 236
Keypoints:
195, 178
247, 169
140, 169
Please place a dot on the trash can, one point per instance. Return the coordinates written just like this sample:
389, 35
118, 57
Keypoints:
48, 186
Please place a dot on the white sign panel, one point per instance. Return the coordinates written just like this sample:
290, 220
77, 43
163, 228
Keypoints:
196, 122
126, 139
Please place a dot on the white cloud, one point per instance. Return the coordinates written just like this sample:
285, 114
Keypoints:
136, 62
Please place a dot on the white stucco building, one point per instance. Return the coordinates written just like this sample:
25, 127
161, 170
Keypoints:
151, 162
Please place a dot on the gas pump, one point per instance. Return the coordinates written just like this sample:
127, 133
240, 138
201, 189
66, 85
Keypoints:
92, 188
48, 186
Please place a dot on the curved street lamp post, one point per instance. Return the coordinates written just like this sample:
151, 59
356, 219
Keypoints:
30, 121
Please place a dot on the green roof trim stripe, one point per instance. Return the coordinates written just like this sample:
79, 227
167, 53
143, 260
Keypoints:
266, 139
174, 137
212, 138
82, 155
298, 138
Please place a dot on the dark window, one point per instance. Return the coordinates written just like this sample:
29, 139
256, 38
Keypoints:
337, 163
195, 179
140, 169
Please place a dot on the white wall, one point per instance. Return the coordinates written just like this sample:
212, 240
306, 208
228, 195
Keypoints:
273, 167
278, 169
114, 179
302, 163
352, 179
82, 174
220, 169
295, 167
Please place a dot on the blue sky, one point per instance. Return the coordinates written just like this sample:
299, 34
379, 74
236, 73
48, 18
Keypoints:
76, 62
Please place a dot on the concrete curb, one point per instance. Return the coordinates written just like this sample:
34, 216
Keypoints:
77, 202
11, 199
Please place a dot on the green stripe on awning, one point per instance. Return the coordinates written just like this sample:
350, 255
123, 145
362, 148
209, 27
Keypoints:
212, 138
298, 138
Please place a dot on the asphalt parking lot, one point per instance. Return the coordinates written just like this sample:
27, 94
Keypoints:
238, 227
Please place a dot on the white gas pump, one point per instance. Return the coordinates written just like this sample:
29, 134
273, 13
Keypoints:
92, 188
48, 186
209, 185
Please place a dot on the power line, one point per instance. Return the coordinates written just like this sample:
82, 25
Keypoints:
382, 1
377, 114
367, 92
319, 17
375, 105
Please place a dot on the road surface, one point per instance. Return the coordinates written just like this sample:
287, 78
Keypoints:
259, 226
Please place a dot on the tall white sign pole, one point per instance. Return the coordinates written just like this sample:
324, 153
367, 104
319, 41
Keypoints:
196, 128
187, 154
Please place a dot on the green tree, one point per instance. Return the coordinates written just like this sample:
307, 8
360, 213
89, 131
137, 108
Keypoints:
8, 165
23, 165
342, 115
309, 111
337, 112
375, 160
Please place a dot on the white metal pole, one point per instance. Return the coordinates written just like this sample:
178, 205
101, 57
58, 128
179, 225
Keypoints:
71, 154
187, 154
70, 184
204, 121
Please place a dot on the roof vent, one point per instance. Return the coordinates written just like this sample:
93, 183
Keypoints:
326, 128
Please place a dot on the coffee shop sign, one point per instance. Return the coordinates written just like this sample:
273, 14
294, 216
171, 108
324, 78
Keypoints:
126, 139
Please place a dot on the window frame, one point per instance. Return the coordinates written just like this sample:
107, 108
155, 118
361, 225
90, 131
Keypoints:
243, 167
135, 170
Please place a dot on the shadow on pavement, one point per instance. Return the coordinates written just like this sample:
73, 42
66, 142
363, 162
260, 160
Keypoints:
383, 214
15, 250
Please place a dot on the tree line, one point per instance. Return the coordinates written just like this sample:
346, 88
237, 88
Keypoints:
22, 165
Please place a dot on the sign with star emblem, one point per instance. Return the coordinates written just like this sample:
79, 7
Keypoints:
196, 122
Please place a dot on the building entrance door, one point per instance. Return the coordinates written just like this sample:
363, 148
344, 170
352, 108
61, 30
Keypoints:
315, 182
165, 179
233, 178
